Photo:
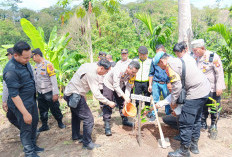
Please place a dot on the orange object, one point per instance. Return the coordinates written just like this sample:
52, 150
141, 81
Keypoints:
129, 110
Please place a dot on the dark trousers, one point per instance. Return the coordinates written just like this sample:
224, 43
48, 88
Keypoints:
190, 120
205, 112
28, 132
100, 103
142, 88
45, 103
172, 121
82, 112
11, 117
111, 95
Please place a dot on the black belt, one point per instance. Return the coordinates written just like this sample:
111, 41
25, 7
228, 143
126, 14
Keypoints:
160, 82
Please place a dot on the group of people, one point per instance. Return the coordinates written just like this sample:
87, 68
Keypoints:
112, 83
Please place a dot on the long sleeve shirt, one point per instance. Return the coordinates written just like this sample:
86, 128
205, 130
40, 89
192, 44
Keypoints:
4, 92
196, 83
84, 80
213, 70
159, 75
20, 82
117, 78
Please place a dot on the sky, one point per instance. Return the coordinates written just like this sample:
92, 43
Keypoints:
41, 4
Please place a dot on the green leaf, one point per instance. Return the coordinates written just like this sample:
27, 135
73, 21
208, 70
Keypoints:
36, 39
80, 12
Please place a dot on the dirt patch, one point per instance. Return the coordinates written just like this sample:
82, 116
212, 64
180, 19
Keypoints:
123, 143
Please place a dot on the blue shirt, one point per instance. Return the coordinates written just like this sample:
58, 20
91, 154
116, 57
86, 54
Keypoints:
159, 75
20, 82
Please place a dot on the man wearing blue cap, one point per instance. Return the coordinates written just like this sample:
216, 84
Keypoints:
197, 89
158, 81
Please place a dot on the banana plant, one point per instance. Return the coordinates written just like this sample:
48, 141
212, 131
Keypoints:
159, 34
55, 50
225, 51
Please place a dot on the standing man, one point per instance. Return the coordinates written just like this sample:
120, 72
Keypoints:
84, 80
117, 86
210, 64
110, 59
142, 80
158, 81
47, 88
125, 60
19, 79
197, 89
10, 114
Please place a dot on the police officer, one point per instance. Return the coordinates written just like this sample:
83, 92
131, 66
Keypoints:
124, 58
197, 89
110, 59
47, 88
84, 80
19, 79
10, 115
117, 86
142, 80
210, 64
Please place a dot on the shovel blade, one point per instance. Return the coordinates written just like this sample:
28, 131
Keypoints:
164, 143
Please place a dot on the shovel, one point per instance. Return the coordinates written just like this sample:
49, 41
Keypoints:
163, 142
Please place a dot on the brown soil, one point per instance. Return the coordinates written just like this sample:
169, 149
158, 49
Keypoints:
123, 143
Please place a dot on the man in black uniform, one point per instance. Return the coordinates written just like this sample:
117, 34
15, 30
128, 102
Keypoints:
19, 79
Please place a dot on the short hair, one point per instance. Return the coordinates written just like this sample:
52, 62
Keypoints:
184, 44
164, 56
159, 46
101, 53
134, 64
179, 47
105, 63
20, 46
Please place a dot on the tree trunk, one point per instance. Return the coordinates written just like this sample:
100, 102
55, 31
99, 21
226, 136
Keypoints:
229, 81
185, 22
89, 39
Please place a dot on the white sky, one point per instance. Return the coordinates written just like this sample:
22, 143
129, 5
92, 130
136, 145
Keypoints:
40, 4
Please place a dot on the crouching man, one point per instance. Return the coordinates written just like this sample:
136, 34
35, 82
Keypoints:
117, 86
84, 80
197, 89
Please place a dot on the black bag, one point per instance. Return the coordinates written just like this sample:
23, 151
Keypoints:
74, 100
182, 97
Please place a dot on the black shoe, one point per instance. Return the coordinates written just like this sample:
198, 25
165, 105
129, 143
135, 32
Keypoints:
203, 125
182, 152
91, 146
177, 137
61, 125
107, 128
43, 128
126, 122
194, 146
38, 149
78, 138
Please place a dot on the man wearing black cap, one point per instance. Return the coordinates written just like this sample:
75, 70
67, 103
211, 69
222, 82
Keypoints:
47, 88
125, 60
10, 115
142, 80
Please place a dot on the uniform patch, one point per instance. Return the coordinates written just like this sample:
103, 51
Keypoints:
42, 73
173, 76
50, 70
132, 80
216, 63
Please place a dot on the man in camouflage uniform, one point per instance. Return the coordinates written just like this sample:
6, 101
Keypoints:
47, 88
210, 64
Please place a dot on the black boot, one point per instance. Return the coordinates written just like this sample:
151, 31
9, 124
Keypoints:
194, 146
61, 124
78, 138
91, 146
203, 125
213, 125
107, 128
126, 122
44, 127
183, 151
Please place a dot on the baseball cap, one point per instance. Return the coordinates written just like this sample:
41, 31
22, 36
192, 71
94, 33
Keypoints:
10, 51
143, 50
198, 43
157, 57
